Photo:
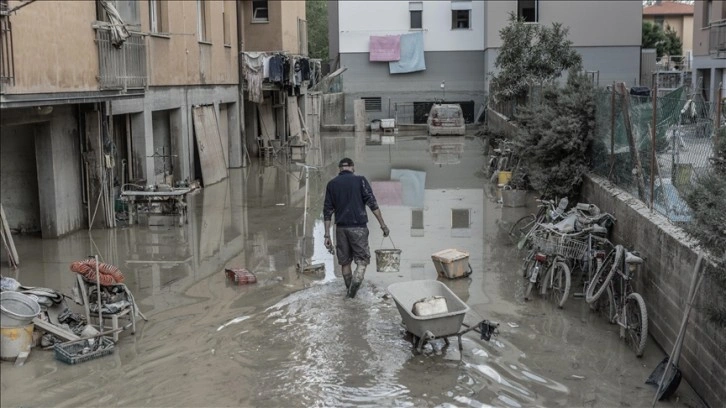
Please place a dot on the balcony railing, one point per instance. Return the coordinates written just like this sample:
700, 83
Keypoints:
123, 67
717, 39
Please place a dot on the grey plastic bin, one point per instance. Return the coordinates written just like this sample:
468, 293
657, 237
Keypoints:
405, 294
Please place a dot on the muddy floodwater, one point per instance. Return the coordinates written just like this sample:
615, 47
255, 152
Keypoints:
294, 340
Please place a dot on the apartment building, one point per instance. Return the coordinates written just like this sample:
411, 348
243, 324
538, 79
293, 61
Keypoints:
709, 47
275, 35
676, 16
99, 94
460, 44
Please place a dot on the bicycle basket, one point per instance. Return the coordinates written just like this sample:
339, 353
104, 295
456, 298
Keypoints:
564, 246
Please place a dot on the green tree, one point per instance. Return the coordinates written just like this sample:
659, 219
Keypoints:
673, 44
708, 202
531, 55
653, 37
556, 134
665, 42
316, 12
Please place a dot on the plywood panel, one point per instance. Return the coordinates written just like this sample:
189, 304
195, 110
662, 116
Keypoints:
209, 143
293, 118
267, 121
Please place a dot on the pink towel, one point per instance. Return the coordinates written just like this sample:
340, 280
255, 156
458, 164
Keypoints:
385, 48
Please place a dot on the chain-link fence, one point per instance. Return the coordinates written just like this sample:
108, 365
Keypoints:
658, 167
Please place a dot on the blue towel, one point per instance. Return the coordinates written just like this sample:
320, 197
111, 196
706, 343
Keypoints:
412, 55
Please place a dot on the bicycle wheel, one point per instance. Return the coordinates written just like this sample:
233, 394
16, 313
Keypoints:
560, 283
522, 227
636, 323
599, 283
492, 166
605, 305
528, 262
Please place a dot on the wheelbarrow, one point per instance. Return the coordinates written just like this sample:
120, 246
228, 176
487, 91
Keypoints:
435, 326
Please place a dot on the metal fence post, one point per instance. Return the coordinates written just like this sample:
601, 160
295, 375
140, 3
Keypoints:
652, 145
719, 101
612, 133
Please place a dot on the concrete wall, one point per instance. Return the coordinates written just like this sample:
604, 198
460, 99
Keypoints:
463, 72
590, 22
700, 30
178, 59
499, 125
263, 36
290, 13
360, 19
179, 102
59, 176
53, 47
19, 177
332, 109
664, 283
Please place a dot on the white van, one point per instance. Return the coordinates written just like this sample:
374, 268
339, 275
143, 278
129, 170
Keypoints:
446, 119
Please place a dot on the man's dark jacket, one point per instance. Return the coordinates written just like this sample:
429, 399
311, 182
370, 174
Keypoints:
347, 195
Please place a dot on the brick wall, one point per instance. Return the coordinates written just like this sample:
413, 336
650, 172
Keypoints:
664, 283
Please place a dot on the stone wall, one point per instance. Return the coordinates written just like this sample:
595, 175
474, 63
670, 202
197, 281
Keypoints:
664, 283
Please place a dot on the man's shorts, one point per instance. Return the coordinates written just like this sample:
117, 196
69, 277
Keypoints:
351, 244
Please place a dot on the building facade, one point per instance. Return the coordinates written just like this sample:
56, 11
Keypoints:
709, 47
676, 16
96, 95
461, 42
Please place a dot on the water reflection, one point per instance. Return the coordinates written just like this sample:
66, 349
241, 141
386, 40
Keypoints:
291, 340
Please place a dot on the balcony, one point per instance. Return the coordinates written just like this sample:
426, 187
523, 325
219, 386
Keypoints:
123, 67
7, 59
717, 39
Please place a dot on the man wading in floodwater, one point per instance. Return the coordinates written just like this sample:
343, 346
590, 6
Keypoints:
347, 195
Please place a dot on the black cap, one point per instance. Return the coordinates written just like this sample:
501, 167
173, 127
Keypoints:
345, 162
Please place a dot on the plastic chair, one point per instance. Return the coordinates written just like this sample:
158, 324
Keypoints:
127, 313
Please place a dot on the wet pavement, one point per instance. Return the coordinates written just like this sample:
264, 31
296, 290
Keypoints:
293, 340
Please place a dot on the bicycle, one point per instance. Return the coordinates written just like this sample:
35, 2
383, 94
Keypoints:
552, 252
622, 305
546, 213
500, 158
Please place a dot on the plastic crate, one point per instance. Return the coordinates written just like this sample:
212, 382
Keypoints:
388, 123
451, 263
72, 353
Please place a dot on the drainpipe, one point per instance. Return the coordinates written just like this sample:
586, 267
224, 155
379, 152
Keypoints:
240, 82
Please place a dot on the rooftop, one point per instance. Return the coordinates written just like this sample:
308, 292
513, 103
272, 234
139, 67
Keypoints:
668, 8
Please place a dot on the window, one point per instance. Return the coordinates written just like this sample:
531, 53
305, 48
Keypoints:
459, 218
460, 14
203, 22
707, 12
528, 10
259, 11
373, 104
225, 25
416, 10
157, 17
659, 21
460, 19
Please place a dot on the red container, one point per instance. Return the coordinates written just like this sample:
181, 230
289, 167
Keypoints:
240, 276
